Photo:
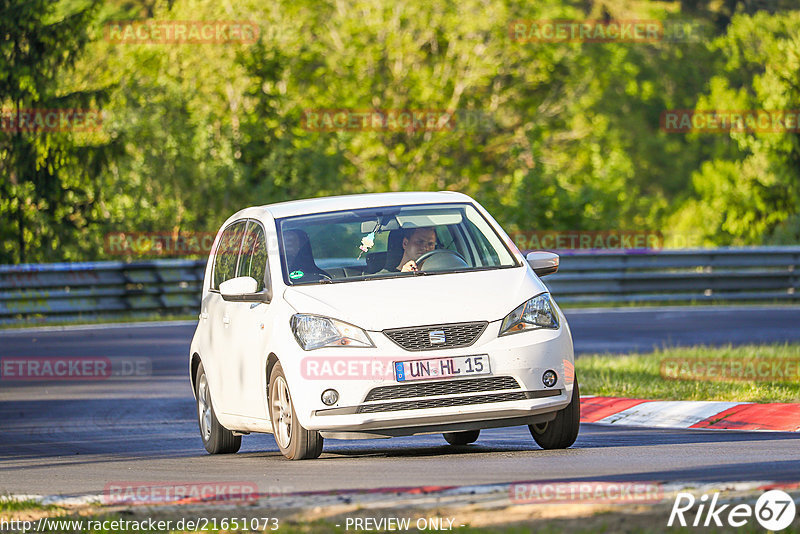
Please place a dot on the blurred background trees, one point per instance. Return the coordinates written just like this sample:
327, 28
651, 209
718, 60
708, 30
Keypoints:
548, 135
51, 179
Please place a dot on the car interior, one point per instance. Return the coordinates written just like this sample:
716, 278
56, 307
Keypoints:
337, 256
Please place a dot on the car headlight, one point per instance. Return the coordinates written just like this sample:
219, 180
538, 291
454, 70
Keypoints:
536, 313
315, 331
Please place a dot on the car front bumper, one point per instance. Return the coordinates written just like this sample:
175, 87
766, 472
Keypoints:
354, 373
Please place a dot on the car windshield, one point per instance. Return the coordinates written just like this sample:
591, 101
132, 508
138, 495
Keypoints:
375, 243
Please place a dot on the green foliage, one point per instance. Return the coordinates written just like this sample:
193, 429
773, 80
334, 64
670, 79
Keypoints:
9, 503
748, 191
51, 179
547, 135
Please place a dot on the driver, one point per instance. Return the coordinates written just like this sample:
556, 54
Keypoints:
416, 243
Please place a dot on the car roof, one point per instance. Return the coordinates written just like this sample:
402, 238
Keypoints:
371, 200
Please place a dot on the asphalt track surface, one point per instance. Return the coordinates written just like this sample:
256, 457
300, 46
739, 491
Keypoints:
75, 438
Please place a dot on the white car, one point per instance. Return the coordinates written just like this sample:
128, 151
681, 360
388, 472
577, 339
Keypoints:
323, 318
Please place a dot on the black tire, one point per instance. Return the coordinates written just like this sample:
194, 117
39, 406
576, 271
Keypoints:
562, 431
294, 441
462, 438
216, 438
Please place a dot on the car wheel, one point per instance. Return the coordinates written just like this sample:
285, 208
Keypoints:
562, 431
294, 441
216, 438
462, 438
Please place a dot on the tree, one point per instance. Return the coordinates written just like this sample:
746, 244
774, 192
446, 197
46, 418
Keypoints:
50, 174
749, 187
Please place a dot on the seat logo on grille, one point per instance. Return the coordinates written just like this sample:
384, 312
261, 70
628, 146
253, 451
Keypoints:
436, 337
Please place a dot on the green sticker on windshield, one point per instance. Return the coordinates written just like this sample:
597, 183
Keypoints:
294, 275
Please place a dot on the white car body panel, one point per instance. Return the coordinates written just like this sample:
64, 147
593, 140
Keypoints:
411, 301
235, 352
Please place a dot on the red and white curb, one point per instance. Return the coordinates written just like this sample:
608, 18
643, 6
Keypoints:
718, 415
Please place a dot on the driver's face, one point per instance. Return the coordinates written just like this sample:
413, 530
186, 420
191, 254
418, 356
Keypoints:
420, 242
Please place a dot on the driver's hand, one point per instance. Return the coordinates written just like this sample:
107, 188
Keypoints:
409, 266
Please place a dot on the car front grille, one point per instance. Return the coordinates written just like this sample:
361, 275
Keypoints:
440, 403
419, 338
450, 387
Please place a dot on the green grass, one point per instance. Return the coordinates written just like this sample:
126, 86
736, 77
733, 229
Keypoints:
641, 375
10, 504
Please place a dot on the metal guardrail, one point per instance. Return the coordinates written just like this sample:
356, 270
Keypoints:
74, 291
669, 276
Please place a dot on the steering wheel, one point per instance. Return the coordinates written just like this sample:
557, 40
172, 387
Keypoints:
428, 254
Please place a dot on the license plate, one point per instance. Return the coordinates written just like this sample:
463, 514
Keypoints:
442, 368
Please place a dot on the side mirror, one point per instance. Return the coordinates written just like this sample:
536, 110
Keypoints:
542, 263
242, 289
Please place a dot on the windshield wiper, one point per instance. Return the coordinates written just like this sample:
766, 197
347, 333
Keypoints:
385, 277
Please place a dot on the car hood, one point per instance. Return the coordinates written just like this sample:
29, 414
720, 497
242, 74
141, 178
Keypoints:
419, 300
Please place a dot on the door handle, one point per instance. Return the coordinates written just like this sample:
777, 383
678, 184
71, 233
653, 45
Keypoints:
204, 315
226, 319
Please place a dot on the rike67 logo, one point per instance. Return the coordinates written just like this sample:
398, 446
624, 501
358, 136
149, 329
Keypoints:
774, 510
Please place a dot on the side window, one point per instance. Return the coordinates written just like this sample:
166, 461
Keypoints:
227, 253
253, 261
